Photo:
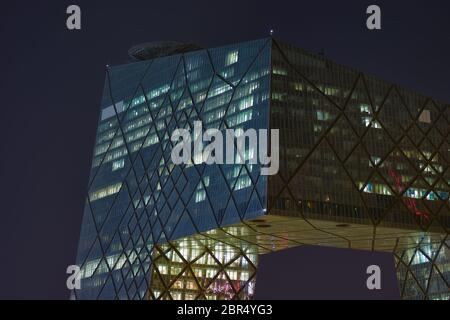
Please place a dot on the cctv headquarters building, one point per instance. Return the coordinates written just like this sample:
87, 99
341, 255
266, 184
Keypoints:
364, 164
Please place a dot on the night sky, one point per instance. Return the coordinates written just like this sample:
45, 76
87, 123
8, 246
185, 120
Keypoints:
52, 79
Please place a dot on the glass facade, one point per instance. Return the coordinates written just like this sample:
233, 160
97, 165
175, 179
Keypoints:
363, 164
137, 197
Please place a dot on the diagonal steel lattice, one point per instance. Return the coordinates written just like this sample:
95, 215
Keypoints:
152, 228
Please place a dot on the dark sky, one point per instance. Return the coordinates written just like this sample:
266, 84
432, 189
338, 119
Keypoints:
51, 82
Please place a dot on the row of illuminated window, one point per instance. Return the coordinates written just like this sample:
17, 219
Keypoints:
416, 193
194, 62
153, 139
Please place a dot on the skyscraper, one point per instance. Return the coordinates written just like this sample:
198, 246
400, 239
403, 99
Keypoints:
363, 164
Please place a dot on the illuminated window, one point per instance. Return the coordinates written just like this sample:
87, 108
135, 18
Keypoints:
219, 90
191, 285
431, 196
176, 295
425, 116
175, 271
119, 164
232, 274
414, 193
278, 96
382, 189
240, 118
331, 91
298, 86
246, 103
368, 188
105, 192
189, 296
323, 115
162, 269
205, 182
367, 121
242, 183
210, 273
200, 196
198, 272
232, 57
279, 71
317, 128
375, 161
244, 276
376, 125
365, 108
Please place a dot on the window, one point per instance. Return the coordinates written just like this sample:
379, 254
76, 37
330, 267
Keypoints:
205, 182
323, 115
200, 196
191, 285
119, 164
244, 276
189, 296
104, 192
246, 103
425, 116
331, 91
162, 269
232, 57
317, 128
368, 188
278, 96
279, 71
232, 274
298, 86
374, 160
176, 295
242, 183
367, 121
376, 125
365, 108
